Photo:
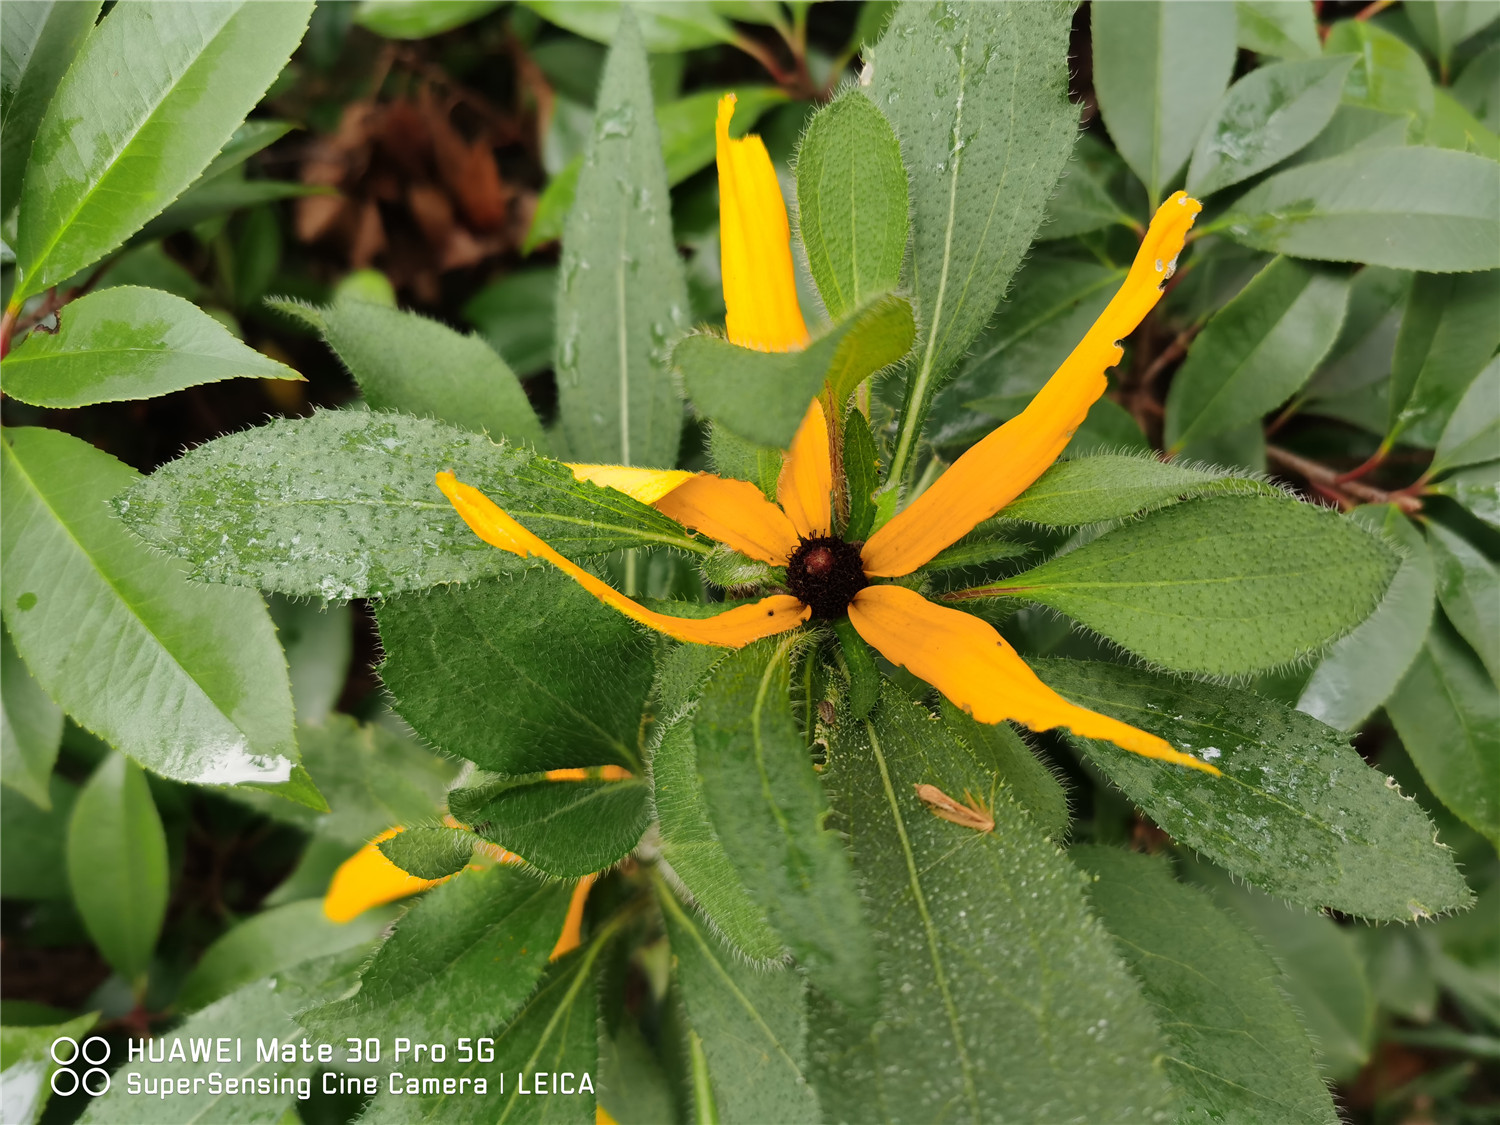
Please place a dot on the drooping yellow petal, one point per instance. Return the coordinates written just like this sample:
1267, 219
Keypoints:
806, 478
760, 287
602, 1117
965, 659
368, 879
646, 485
1002, 466
733, 628
572, 931
603, 773
733, 512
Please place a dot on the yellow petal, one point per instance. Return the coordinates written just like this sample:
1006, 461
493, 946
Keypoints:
602, 1117
733, 512
733, 628
1002, 466
807, 477
368, 879
572, 929
965, 659
760, 288
646, 485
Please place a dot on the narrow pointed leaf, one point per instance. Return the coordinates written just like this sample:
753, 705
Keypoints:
1468, 585
1477, 488
31, 727
428, 851
1449, 333
1472, 435
1444, 24
1112, 486
1281, 29
1388, 75
665, 25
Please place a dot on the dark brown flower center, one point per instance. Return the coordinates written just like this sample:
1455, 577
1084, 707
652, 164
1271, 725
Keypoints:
825, 573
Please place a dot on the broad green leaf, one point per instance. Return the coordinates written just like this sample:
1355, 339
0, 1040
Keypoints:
429, 851
978, 95
1468, 586
419, 19
632, 1083
1237, 1052
117, 865
37, 42
1112, 486
1478, 87
765, 802
751, 1021
1477, 488
1003, 997
272, 942
1353, 127
1449, 333
1224, 585
217, 197
1005, 754
693, 852
1453, 126
1159, 69
622, 296
127, 343
1281, 29
31, 727
108, 156
1242, 448
1361, 356
33, 860
403, 361
1257, 351
1409, 208
1363, 668
1444, 24
851, 203
26, 1062
186, 679
1388, 75
517, 316
762, 396
1265, 117
246, 141
1083, 201
319, 644
1107, 427
1296, 812
518, 675
665, 25
344, 505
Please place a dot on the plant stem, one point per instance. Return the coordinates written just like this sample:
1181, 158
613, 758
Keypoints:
1327, 483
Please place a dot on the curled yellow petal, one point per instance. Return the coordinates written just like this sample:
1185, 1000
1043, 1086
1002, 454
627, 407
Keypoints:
572, 930
368, 879
1003, 465
760, 287
733, 628
806, 479
646, 485
733, 512
965, 659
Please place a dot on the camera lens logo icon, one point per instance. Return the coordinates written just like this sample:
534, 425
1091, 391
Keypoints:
91, 1052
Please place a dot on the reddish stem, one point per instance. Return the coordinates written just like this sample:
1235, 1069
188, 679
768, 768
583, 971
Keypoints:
1345, 493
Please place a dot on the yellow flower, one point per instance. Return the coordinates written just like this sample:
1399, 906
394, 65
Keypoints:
960, 655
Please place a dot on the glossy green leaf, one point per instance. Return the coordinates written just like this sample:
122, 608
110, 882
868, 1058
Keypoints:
251, 137
1468, 586
117, 865
769, 811
1363, 668
978, 95
1388, 74
1296, 812
429, 851
344, 505
517, 316
128, 343
1003, 997
1083, 201
1159, 69
37, 42
1352, 128
33, 859
762, 396
1005, 754
1409, 208
1265, 117
1224, 585
518, 675
622, 296
1444, 24
1281, 29
186, 679
419, 19
1477, 488
665, 25
215, 198
108, 157
1449, 333
1477, 89
851, 203
31, 727
1361, 356
1257, 351
563, 828
1236, 1051
1453, 126
26, 1063
319, 644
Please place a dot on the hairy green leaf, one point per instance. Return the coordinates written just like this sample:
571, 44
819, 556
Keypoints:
1112, 486
1003, 752
1449, 333
429, 851
566, 828
1468, 585
1279, 28
31, 727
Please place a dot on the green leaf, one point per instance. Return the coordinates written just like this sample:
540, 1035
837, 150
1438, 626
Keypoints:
31, 727
419, 19
1005, 754
1361, 356
1003, 999
1449, 333
1477, 489
344, 505
1388, 75
851, 203
665, 25
564, 828
407, 362
1453, 126
623, 295
1237, 1052
1083, 201
1363, 668
975, 549
1354, 128
213, 198
1468, 585
518, 675
250, 138
861, 476
1159, 69
1409, 208
978, 95
765, 802
429, 852
762, 396
186, 679
26, 1063
692, 849
517, 316
319, 645
1476, 87
1265, 117
1444, 24
1296, 812
1277, 28
109, 157
37, 42
129, 343
33, 863
117, 865
1112, 486
751, 1021
1257, 351
1225, 586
